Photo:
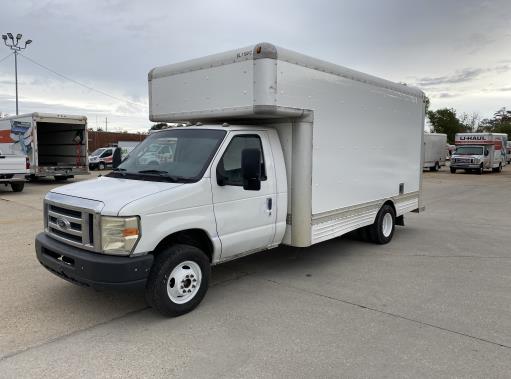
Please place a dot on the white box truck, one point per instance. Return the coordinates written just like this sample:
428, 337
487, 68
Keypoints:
281, 152
435, 151
55, 144
476, 152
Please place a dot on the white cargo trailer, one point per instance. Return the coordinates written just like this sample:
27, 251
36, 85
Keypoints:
55, 144
435, 150
282, 151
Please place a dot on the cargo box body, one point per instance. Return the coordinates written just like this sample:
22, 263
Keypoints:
351, 141
56, 145
435, 150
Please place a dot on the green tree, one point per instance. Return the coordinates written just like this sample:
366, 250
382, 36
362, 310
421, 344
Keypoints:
499, 123
445, 121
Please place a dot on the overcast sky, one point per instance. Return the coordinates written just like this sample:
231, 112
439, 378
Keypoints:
458, 52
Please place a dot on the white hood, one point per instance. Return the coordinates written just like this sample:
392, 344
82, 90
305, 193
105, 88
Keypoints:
114, 193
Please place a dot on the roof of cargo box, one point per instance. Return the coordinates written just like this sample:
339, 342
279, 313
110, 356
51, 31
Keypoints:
47, 115
267, 50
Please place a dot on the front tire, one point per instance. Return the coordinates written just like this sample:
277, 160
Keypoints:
178, 281
61, 178
101, 166
480, 170
17, 187
382, 231
453, 170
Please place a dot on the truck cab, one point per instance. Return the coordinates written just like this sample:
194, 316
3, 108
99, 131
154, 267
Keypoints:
193, 199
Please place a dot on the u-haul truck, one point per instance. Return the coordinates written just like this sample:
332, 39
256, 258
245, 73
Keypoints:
479, 151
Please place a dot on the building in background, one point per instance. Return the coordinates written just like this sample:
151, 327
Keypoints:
99, 139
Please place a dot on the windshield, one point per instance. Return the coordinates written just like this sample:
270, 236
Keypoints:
97, 152
469, 150
178, 155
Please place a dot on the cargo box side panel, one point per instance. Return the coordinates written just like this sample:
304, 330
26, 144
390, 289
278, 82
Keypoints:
202, 91
366, 139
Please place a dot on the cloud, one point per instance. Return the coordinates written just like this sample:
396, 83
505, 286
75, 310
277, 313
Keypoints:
461, 76
464, 75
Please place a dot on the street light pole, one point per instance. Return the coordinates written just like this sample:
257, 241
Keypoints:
16, 48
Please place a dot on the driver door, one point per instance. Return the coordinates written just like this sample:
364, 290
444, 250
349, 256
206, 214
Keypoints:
245, 219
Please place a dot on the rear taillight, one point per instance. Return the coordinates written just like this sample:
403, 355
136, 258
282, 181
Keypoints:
27, 163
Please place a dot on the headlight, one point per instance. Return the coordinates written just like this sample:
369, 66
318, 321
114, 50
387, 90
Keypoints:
119, 234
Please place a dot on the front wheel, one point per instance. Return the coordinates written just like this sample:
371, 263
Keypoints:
101, 166
61, 178
453, 170
382, 230
480, 170
178, 280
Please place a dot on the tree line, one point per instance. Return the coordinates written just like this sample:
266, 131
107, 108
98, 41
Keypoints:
447, 121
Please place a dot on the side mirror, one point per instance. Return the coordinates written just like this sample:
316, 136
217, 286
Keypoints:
251, 169
486, 152
116, 159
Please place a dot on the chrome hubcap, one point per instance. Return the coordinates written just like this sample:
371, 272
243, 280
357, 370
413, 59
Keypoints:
184, 282
387, 224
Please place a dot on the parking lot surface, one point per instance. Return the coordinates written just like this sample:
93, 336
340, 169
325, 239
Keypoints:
435, 302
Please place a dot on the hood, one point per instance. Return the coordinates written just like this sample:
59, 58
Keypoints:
114, 193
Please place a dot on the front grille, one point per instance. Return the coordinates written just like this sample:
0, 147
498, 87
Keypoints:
71, 225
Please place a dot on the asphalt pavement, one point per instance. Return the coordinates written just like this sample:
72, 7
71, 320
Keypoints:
435, 302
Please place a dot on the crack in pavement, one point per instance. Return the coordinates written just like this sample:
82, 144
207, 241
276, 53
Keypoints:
390, 314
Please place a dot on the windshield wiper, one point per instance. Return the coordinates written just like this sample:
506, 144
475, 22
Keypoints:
153, 172
165, 174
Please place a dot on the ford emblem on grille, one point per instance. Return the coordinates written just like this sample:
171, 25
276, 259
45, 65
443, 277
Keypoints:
63, 223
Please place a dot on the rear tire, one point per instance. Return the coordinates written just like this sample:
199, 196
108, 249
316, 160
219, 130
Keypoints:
435, 167
60, 178
453, 170
178, 281
17, 187
382, 231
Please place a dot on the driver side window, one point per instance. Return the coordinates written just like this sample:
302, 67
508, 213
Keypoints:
229, 167
107, 153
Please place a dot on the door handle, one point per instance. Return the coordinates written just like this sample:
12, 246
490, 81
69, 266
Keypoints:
269, 205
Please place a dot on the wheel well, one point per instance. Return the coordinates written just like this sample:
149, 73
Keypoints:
391, 203
194, 237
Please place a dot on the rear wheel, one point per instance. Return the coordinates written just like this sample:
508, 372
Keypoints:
382, 231
61, 178
178, 280
18, 186
435, 167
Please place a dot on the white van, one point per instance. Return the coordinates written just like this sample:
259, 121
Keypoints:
268, 161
